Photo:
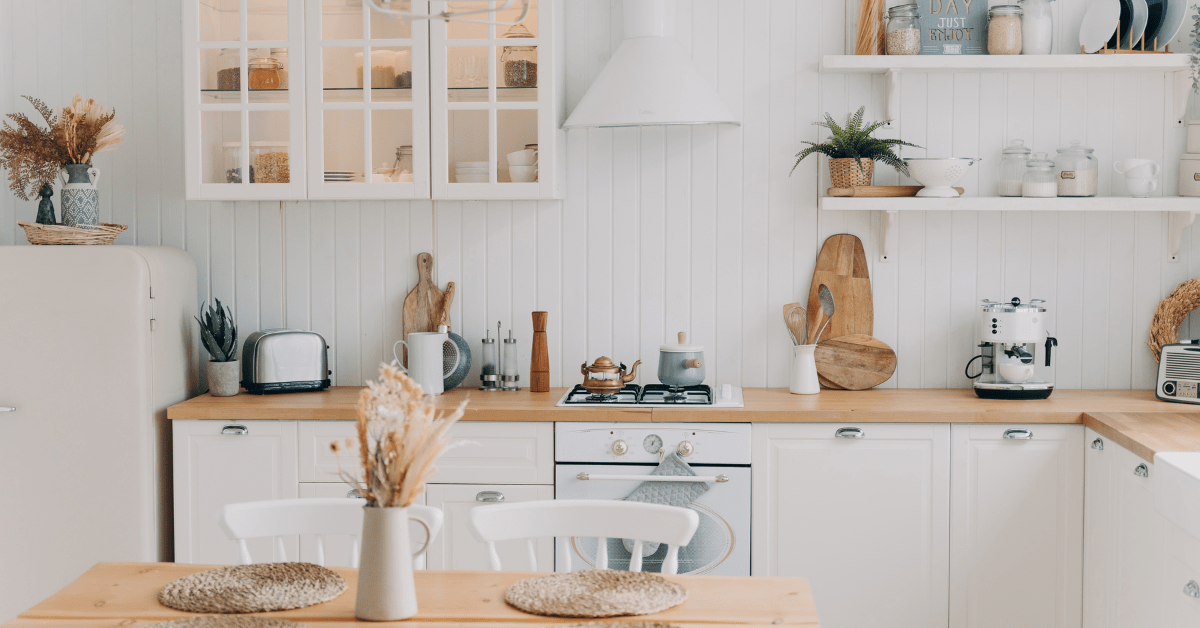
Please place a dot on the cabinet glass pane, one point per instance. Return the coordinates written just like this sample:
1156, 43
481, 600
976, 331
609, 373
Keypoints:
266, 20
341, 74
516, 129
468, 146
467, 30
390, 129
266, 76
511, 15
517, 68
467, 73
269, 149
220, 134
341, 19
344, 146
221, 75
384, 26
220, 20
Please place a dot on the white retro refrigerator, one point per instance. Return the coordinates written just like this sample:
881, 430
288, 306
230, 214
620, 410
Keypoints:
95, 343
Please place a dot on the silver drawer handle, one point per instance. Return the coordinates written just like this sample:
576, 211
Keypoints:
1191, 589
1142, 471
721, 479
1018, 434
849, 432
1098, 444
489, 496
239, 430
7, 409
354, 494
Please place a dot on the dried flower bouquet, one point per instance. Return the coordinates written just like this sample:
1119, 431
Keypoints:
33, 155
399, 437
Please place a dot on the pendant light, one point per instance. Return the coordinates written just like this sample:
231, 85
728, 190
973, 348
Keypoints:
650, 80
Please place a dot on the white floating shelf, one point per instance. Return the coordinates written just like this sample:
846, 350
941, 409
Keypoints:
1181, 210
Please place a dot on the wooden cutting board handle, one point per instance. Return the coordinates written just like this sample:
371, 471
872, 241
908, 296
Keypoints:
444, 319
539, 362
424, 304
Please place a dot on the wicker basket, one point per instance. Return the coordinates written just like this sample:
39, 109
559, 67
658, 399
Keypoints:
103, 233
845, 173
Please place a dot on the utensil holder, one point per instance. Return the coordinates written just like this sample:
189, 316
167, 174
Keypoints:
804, 370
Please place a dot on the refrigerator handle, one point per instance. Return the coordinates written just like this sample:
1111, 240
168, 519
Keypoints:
7, 409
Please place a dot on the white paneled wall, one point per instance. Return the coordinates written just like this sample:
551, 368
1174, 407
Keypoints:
702, 230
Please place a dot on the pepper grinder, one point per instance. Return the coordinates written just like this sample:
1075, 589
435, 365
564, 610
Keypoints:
489, 374
539, 361
509, 367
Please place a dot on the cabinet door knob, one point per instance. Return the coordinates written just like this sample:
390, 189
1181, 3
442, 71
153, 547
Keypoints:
849, 432
1191, 589
1142, 471
1018, 434
1098, 444
239, 430
489, 496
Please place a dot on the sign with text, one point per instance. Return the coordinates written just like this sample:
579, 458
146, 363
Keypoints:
953, 27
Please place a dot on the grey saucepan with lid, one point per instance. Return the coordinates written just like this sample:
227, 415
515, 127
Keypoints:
681, 364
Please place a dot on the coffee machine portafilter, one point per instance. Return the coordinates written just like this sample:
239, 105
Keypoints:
1009, 333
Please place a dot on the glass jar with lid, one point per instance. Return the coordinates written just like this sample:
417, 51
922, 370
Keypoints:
404, 165
229, 70
1004, 30
519, 63
281, 55
1076, 169
1037, 27
1012, 167
1038, 181
263, 73
903, 36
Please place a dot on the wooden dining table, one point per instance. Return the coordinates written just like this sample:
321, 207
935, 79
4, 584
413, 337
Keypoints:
111, 595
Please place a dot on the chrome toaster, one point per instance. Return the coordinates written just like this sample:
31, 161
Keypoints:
1179, 372
284, 360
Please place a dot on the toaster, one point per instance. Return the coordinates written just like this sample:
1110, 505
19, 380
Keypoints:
1179, 373
284, 360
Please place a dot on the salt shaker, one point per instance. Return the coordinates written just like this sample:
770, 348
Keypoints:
509, 368
489, 373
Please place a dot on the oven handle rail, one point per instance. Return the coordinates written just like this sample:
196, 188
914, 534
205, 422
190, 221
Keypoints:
583, 475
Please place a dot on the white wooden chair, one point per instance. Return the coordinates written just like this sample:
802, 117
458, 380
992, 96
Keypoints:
600, 518
316, 516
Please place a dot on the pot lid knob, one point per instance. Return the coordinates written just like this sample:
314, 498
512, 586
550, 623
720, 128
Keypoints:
683, 337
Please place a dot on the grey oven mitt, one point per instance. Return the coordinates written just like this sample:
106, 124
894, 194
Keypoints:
668, 493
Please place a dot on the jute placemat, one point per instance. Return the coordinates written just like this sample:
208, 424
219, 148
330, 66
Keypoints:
595, 593
228, 621
620, 624
253, 588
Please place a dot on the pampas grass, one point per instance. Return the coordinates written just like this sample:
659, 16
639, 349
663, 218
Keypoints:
399, 437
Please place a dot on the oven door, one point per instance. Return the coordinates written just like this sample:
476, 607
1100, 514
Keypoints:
721, 545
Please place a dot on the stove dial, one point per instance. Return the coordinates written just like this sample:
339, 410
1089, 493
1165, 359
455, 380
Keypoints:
685, 448
619, 447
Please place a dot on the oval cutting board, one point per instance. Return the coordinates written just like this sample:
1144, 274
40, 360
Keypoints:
842, 266
855, 362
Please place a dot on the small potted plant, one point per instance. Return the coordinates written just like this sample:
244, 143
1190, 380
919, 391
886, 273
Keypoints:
852, 151
219, 335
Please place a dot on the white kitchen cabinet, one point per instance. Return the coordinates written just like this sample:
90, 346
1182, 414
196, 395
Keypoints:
1099, 532
456, 548
338, 548
1016, 526
862, 511
218, 463
1180, 581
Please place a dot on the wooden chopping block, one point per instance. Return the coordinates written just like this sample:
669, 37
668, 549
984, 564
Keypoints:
423, 305
879, 191
854, 362
842, 266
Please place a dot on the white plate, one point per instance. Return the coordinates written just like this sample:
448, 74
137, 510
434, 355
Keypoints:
1141, 13
471, 164
1173, 18
473, 178
1099, 24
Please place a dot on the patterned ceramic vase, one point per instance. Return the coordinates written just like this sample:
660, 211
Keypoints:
80, 199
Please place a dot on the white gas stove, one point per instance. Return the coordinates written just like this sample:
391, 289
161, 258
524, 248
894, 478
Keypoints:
726, 396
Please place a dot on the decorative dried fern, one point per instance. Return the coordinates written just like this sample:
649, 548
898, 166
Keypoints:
34, 155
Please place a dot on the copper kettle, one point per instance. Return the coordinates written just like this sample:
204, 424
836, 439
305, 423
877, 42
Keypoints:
605, 378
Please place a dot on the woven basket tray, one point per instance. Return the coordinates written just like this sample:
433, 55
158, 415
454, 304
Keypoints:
103, 233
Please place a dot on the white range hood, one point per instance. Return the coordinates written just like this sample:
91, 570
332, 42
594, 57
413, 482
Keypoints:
650, 80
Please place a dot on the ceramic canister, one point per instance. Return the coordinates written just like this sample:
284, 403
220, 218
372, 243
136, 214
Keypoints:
1189, 174
80, 199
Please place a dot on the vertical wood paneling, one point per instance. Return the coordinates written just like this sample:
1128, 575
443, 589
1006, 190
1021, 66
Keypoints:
730, 80
7, 201
524, 280
601, 265
755, 168
297, 264
246, 248
625, 244
372, 264
677, 241
549, 282
346, 311
324, 281
123, 165
270, 265
652, 235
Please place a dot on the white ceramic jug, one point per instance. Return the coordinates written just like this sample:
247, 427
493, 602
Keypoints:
386, 590
425, 351
804, 371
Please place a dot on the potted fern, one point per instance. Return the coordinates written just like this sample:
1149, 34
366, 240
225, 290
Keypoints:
218, 333
852, 150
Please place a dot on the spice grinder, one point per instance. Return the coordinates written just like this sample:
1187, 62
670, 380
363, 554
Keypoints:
1009, 333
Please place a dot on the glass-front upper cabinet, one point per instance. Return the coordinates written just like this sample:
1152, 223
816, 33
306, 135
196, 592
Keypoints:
497, 100
368, 100
243, 76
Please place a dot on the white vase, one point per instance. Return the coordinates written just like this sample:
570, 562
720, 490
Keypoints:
804, 371
223, 378
386, 591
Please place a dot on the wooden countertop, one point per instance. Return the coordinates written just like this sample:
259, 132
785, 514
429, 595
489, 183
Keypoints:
128, 591
1148, 433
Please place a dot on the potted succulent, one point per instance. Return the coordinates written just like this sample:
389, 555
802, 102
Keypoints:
852, 150
218, 333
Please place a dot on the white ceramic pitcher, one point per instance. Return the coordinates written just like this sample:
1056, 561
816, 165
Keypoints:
386, 590
425, 351
804, 370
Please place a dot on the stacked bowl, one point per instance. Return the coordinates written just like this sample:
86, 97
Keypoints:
471, 171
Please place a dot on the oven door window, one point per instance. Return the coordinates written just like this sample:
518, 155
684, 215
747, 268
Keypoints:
710, 546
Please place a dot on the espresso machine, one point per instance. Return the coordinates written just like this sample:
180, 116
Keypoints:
1009, 333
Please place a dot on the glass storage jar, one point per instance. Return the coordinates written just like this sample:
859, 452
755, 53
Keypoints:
263, 73
1004, 30
1012, 168
281, 55
403, 65
519, 62
229, 70
1038, 181
383, 68
1037, 27
1076, 169
403, 165
903, 37
231, 162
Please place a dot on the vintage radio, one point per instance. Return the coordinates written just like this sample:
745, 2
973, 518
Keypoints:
1179, 373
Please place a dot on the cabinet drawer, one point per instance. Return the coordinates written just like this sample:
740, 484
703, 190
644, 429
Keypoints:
479, 453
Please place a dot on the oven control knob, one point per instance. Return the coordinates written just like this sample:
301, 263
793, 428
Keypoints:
685, 448
619, 447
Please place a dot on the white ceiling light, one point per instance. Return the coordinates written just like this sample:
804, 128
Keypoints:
650, 80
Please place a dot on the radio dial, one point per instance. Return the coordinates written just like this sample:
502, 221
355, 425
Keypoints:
619, 447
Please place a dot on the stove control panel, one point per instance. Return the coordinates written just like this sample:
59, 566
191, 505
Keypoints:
705, 443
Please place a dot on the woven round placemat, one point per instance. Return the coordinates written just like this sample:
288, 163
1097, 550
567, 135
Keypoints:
253, 588
228, 621
595, 593
621, 624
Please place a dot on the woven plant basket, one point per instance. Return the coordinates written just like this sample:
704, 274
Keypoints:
103, 233
845, 173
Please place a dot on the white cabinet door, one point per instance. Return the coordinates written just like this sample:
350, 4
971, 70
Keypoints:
456, 547
338, 548
1180, 581
1099, 535
1016, 526
864, 519
1139, 536
218, 463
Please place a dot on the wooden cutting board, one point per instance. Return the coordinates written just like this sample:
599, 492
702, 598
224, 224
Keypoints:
855, 362
879, 191
842, 266
423, 305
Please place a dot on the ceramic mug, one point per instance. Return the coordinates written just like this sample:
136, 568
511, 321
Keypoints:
1141, 188
425, 351
1136, 168
527, 157
522, 174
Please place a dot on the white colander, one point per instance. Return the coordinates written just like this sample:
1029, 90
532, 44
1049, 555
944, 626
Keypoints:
939, 175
